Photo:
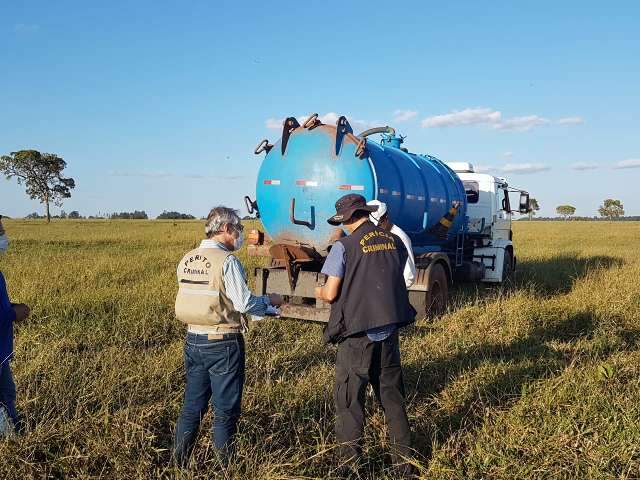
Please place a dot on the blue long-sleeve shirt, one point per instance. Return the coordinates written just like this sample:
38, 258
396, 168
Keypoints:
235, 283
7, 317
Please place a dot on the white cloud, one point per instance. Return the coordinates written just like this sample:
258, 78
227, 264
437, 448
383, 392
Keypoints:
570, 121
274, 123
404, 115
484, 168
507, 154
514, 168
629, 163
520, 124
584, 166
524, 168
468, 116
329, 118
494, 120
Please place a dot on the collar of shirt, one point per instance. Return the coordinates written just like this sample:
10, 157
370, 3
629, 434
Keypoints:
207, 243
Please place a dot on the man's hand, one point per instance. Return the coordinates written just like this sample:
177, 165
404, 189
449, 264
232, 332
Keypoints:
275, 299
22, 311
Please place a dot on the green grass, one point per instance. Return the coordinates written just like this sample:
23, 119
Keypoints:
538, 380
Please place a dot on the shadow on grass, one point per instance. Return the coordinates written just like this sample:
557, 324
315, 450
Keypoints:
558, 274
510, 368
549, 276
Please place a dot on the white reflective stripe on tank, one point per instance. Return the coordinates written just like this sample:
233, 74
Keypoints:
271, 182
307, 183
193, 291
351, 187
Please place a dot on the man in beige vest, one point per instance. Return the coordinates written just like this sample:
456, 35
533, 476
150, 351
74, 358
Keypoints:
213, 299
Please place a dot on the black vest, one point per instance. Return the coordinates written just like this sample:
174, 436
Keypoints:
373, 292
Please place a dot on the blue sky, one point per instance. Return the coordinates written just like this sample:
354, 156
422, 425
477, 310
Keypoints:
159, 105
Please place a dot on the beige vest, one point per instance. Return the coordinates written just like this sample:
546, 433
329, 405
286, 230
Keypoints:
202, 299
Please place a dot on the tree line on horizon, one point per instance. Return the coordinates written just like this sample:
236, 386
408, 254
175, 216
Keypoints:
611, 209
41, 174
135, 215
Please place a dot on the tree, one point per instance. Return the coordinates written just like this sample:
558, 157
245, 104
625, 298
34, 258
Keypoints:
174, 216
135, 215
534, 206
74, 215
565, 211
611, 209
41, 174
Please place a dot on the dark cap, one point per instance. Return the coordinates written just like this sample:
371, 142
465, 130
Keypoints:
349, 204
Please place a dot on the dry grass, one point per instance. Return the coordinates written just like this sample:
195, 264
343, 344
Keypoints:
541, 380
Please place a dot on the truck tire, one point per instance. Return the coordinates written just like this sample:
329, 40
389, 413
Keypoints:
507, 269
438, 293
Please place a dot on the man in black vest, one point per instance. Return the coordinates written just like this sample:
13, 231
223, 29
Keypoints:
369, 303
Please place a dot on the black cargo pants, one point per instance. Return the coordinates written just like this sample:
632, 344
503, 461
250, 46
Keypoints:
361, 361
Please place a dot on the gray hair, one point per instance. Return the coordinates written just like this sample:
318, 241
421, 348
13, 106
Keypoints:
219, 217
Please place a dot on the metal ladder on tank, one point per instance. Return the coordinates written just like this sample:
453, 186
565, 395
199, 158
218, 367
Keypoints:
459, 248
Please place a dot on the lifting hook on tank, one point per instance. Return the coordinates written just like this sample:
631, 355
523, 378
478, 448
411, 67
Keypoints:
312, 121
252, 206
343, 128
289, 125
263, 146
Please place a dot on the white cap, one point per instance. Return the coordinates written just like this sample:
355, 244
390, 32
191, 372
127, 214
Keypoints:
378, 214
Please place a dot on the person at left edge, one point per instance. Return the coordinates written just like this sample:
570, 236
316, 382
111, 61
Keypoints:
213, 299
9, 313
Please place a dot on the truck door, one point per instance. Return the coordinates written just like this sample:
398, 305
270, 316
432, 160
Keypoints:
503, 214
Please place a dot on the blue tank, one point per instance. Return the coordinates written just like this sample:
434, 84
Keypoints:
298, 186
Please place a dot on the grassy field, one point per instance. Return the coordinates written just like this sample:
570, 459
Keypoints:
540, 380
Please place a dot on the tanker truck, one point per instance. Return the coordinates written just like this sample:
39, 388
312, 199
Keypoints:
459, 221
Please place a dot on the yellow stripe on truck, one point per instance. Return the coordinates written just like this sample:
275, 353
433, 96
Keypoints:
447, 223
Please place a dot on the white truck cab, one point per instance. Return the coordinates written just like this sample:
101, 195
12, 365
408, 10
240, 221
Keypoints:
489, 225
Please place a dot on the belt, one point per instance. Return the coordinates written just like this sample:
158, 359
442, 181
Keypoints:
207, 330
220, 336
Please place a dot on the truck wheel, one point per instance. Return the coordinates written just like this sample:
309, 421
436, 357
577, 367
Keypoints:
507, 268
438, 293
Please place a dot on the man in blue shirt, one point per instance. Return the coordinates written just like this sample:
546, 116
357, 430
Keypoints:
213, 300
369, 304
8, 314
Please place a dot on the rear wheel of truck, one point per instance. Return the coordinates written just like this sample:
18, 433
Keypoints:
508, 272
438, 293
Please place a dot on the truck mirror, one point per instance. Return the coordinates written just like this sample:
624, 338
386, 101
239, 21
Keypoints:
525, 207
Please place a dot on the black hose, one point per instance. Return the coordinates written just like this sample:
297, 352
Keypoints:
373, 131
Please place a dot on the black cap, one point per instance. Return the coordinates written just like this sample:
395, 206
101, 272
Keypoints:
349, 204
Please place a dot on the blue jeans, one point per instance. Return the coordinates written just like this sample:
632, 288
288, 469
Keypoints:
215, 372
8, 393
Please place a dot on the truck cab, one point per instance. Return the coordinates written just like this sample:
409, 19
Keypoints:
490, 213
